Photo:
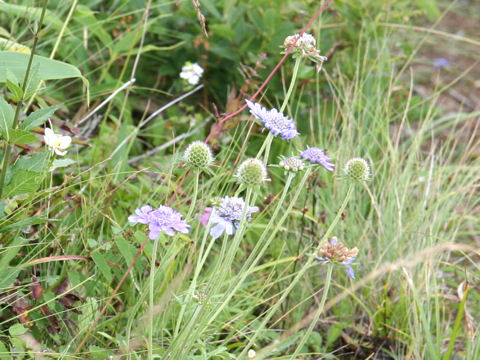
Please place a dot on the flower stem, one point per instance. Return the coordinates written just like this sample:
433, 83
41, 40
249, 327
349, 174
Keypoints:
305, 336
297, 278
151, 304
8, 147
195, 193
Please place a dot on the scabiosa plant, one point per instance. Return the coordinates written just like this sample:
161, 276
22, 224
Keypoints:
252, 172
164, 219
273, 120
357, 170
292, 163
198, 155
318, 156
305, 47
228, 215
191, 72
338, 253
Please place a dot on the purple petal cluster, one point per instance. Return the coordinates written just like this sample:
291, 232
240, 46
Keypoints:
316, 155
228, 215
162, 219
274, 121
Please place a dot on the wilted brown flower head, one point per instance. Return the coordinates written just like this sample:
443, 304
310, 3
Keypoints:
337, 252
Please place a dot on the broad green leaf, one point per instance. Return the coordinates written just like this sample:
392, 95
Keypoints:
37, 162
6, 117
37, 118
48, 69
127, 250
23, 182
29, 12
20, 137
8, 45
100, 261
9, 252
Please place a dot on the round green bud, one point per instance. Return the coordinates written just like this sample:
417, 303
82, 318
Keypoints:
357, 169
198, 155
252, 172
292, 163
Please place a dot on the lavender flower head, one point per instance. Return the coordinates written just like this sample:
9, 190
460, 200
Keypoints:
227, 216
274, 121
316, 155
162, 219
336, 252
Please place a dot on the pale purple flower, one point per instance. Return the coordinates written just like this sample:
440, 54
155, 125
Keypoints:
228, 215
205, 216
274, 121
439, 63
162, 219
316, 155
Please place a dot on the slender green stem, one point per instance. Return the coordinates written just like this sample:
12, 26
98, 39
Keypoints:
195, 193
151, 304
305, 336
8, 147
297, 278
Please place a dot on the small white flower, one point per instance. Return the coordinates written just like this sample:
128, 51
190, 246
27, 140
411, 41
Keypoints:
191, 72
251, 354
56, 142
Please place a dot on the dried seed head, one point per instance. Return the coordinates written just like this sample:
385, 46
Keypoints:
336, 252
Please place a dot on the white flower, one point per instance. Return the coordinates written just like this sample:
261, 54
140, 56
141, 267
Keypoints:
191, 72
56, 142
251, 354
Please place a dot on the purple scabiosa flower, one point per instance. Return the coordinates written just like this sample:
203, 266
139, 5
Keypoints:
337, 253
439, 63
162, 219
227, 216
316, 155
274, 121
205, 216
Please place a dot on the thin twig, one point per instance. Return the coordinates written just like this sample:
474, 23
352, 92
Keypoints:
106, 101
169, 143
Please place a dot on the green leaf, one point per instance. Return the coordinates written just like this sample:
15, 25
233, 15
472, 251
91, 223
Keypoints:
34, 220
37, 162
17, 329
37, 118
61, 163
6, 117
127, 250
17, 92
4, 353
20, 137
23, 182
100, 261
48, 69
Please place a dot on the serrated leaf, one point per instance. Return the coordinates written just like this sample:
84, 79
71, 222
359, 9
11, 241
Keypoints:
23, 182
37, 118
61, 163
6, 117
37, 162
17, 92
18, 136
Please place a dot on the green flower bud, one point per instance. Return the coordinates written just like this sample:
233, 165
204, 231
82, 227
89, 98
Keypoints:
252, 172
357, 169
198, 155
